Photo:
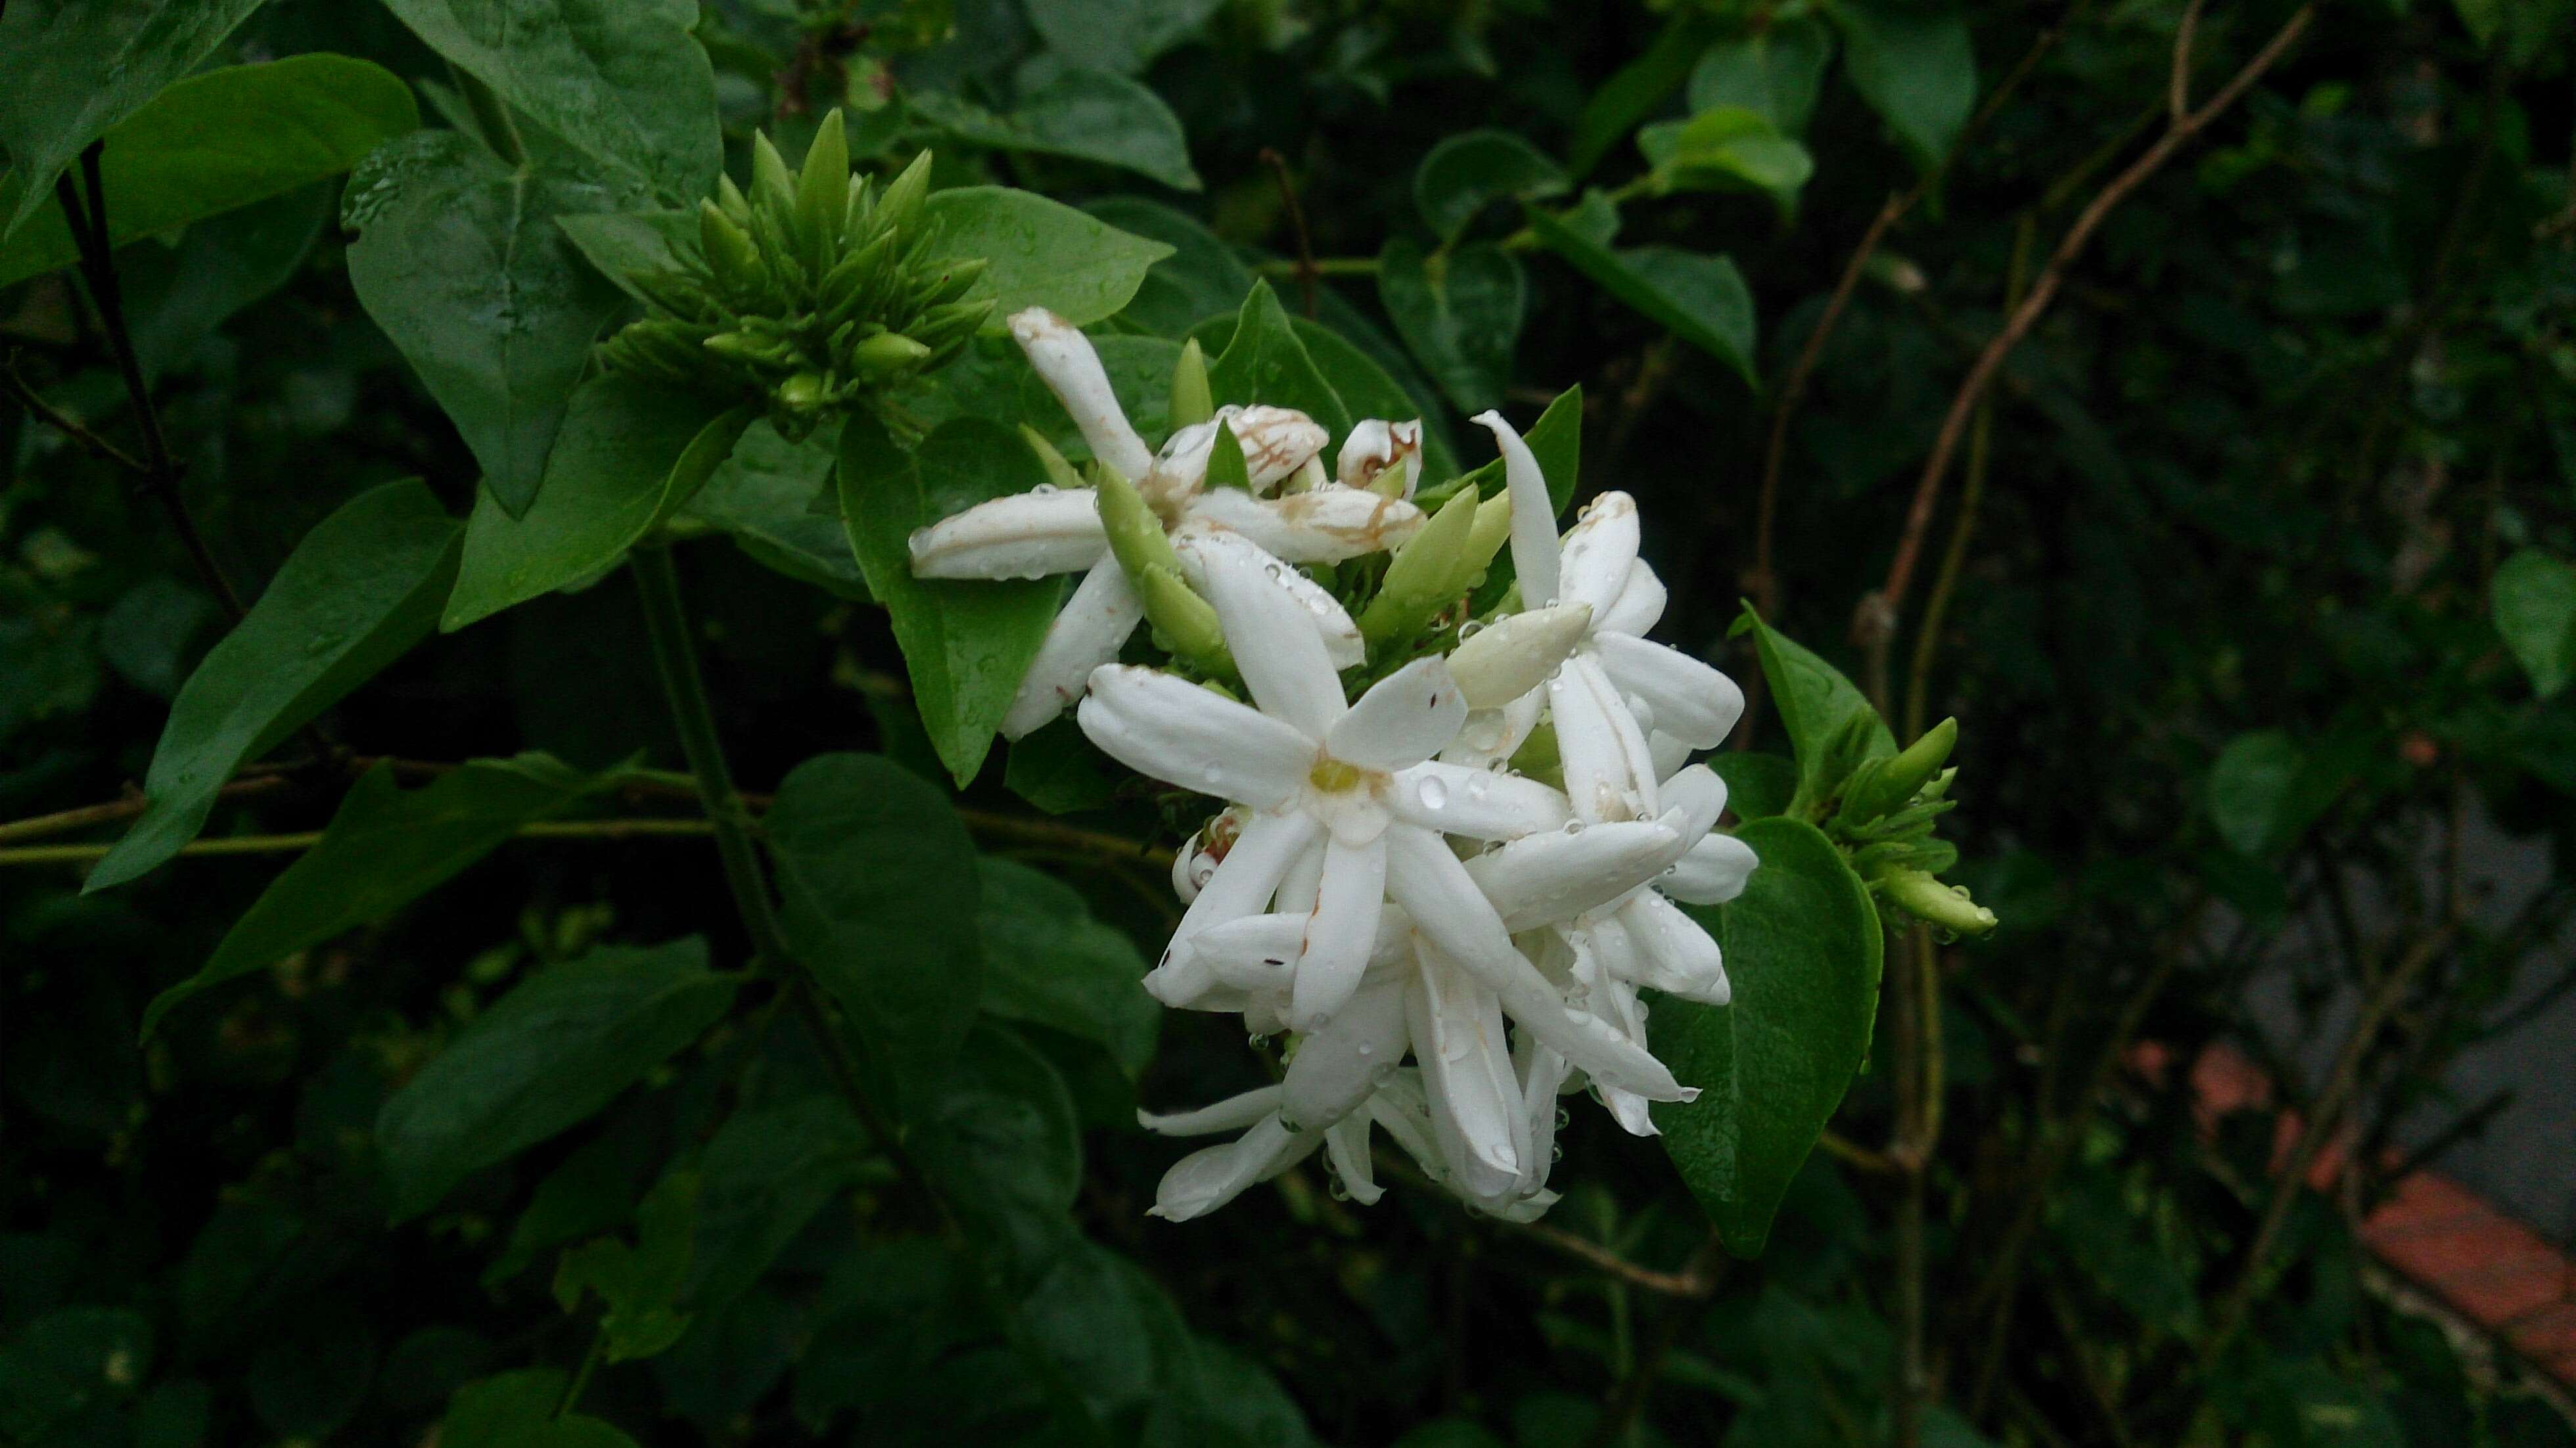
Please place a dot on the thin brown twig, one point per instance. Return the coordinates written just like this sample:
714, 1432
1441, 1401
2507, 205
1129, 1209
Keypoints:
306, 839
1875, 618
2178, 102
63, 422
1697, 1278
1628, 1399
1306, 272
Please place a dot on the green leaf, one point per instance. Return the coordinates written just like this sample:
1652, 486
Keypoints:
1634, 91
1088, 115
630, 454
1199, 278
1057, 770
623, 81
459, 260
1915, 67
215, 142
1802, 950
775, 498
1467, 172
1042, 253
561, 1045
1819, 707
879, 881
1701, 299
1777, 71
384, 848
486, 1412
1265, 361
1119, 35
1757, 784
1460, 313
177, 296
1556, 440
1048, 962
2265, 789
640, 1282
2534, 602
1360, 365
77, 68
356, 594
1001, 1143
966, 643
1730, 148
764, 1176
620, 244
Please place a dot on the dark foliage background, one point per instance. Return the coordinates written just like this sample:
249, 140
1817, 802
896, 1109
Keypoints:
2210, 585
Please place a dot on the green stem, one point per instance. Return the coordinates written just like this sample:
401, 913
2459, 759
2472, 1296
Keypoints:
581, 1377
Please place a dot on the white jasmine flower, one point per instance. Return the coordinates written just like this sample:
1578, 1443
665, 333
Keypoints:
1385, 457
1050, 530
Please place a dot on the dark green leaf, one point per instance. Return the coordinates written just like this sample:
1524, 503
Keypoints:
1818, 706
485, 1413
1089, 115
1043, 253
639, 1282
1460, 313
2534, 600
1729, 148
1776, 71
359, 591
1467, 172
1756, 784
558, 1047
966, 643
879, 881
1915, 67
460, 261
1802, 951
1632, 93
1048, 962
78, 67
1701, 299
620, 244
1556, 440
1119, 35
176, 296
2266, 788
1199, 279
1001, 1143
1265, 361
766, 1174
622, 80
630, 454
218, 141
385, 848
1057, 770
766, 495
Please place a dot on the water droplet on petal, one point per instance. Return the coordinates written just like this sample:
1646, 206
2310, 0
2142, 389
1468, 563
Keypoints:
1214, 774
1043, 490
1470, 629
1433, 794
1574, 827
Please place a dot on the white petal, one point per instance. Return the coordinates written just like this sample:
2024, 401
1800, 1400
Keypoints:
1376, 445
1303, 882
1276, 441
1598, 551
1064, 357
1403, 1108
1241, 886
1534, 557
1179, 733
1346, 1145
1641, 603
1451, 914
1026, 535
1337, 1067
1194, 540
1328, 525
1669, 754
1207, 1179
1700, 796
1457, 1031
1544, 878
1340, 935
1676, 951
1088, 631
1273, 640
1491, 736
1513, 656
1609, 775
1692, 701
1542, 1072
1402, 720
1712, 873
1478, 803
1232, 1114
1250, 952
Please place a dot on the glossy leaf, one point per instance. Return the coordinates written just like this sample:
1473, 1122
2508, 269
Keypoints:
1776, 72
1047, 961
881, 897
1556, 440
77, 68
775, 498
1460, 313
1802, 947
1914, 65
558, 1047
1088, 115
623, 81
218, 141
966, 642
487, 1412
1265, 361
1700, 299
1729, 148
630, 454
386, 847
1823, 711
1757, 784
1057, 770
1467, 172
357, 593
619, 244
1199, 278
2534, 602
459, 260
1042, 253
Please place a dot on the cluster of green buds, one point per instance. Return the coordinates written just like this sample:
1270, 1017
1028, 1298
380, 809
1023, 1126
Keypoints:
809, 293
1888, 806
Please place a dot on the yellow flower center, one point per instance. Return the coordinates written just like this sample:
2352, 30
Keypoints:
1331, 776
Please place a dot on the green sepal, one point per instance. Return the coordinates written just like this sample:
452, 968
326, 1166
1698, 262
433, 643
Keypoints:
1193, 400
1880, 787
1225, 465
1059, 471
1423, 577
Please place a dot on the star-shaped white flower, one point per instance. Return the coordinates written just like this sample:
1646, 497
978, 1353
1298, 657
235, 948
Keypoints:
1051, 530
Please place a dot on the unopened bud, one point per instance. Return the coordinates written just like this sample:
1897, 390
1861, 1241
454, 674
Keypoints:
1184, 621
731, 256
1060, 473
1419, 577
1927, 899
1135, 530
802, 392
887, 352
1193, 400
823, 193
1887, 789
1514, 655
1384, 457
1492, 528
773, 190
903, 195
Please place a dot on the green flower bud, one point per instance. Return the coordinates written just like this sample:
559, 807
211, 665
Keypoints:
1927, 899
901, 202
731, 257
773, 189
1193, 400
1058, 471
1887, 787
803, 392
886, 353
1185, 622
1135, 531
736, 206
1492, 529
1421, 577
823, 193
956, 281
